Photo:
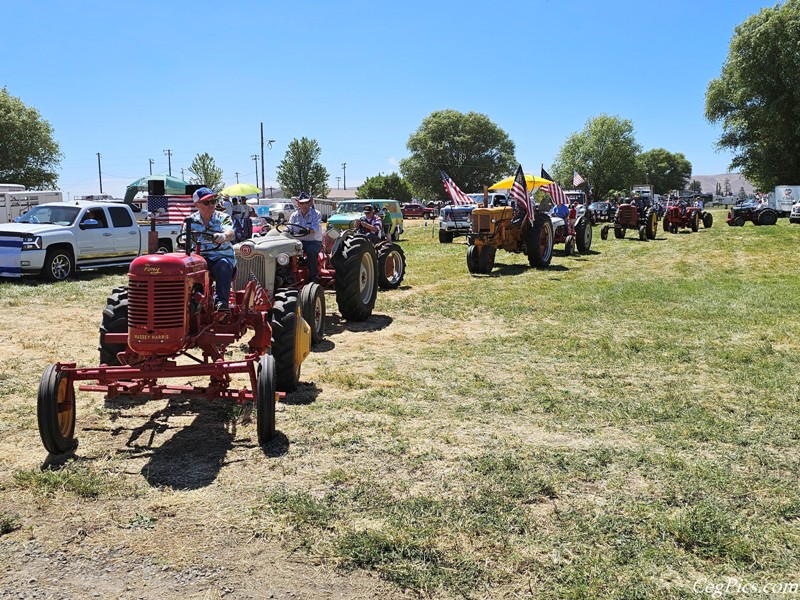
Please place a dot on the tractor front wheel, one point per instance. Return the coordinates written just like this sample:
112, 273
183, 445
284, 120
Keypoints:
312, 305
569, 246
115, 320
695, 224
286, 340
604, 232
643, 233
708, 220
356, 265
55, 411
473, 253
391, 266
651, 223
619, 232
738, 222
265, 399
486, 260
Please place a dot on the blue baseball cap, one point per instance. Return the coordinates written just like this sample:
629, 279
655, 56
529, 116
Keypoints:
202, 194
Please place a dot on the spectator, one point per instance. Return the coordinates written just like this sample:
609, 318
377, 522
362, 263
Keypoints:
309, 217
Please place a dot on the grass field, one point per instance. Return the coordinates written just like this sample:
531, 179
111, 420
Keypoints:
621, 425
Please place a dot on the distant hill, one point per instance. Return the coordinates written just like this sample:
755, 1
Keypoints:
709, 183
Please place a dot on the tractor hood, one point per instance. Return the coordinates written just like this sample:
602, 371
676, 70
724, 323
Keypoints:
271, 244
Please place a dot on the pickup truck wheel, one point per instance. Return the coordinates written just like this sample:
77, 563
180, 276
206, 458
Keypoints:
356, 265
445, 237
115, 320
265, 399
55, 411
391, 266
164, 246
285, 325
312, 305
58, 265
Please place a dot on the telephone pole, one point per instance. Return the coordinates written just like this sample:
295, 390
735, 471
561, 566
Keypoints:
168, 152
237, 176
151, 161
338, 179
99, 173
344, 174
263, 180
255, 158
181, 172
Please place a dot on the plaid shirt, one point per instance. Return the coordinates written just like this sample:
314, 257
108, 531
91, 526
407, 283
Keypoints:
220, 223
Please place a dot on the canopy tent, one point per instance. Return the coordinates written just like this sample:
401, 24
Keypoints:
172, 186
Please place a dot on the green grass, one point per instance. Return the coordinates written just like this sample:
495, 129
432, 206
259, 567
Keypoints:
75, 478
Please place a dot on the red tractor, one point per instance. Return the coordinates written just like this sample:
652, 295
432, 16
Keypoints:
163, 325
633, 215
681, 216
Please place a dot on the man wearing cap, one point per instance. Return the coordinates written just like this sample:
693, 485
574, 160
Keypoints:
310, 218
216, 245
371, 224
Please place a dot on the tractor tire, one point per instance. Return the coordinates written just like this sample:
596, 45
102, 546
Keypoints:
674, 228
391, 266
356, 265
767, 217
115, 320
569, 246
695, 225
604, 232
58, 265
665, 225
486, 260
395, 235
445, 237
312, 305
539, 241
651, 223
265, 399
55, 411
619, 232
473, 253
285, 334
642, 233
738, 222
708, 220
583, 233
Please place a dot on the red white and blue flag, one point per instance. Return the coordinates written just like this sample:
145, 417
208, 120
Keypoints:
170, 209
455, 193
556, 193
577, 179
519, 192
260, 299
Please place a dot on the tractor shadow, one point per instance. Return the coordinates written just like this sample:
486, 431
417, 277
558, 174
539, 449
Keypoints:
335, 324
503, 270
305, 394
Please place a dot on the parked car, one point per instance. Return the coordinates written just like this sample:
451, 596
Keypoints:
602, 211
281, 211
414, 209
348, 210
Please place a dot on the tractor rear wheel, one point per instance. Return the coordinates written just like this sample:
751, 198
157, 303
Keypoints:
619, 232
286, 340
445, 237
708, 220
651, 223
539, 241
583, 233
486, 259
473, 253
265, 399
604, 232
312, 305
391, 266
55, 411
115, 320
767, 217
695, 224
356, 266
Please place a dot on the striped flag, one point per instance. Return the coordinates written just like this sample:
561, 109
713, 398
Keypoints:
456, 195
556, 193
577, 179
260, 298
519, 193
172, 209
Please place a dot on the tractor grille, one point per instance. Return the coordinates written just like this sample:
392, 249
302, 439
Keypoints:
252, 264
481, 222
156, 304
625, 213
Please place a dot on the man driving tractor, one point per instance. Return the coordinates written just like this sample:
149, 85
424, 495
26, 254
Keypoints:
371, 224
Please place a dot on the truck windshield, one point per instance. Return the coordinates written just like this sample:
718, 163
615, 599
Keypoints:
58, 215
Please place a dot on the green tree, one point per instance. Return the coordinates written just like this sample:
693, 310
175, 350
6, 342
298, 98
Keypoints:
664, 170
604, 153
385, 186
206, 172
755, 99
469, 147
695, 186
28, 153
301, 171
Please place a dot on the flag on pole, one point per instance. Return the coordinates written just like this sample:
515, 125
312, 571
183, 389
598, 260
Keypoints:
456, 195
171, 209
519, 192
556, 193
546, 175
577, 179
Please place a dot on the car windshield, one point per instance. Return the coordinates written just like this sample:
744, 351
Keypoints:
351, 207
58, 215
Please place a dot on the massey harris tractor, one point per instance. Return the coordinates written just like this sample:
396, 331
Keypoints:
630, 215
681, 216
163, 325
348, 263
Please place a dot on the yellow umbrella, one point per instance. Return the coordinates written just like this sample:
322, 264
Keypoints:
241, 189
531, 181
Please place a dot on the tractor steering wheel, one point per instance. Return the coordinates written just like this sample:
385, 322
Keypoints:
181, 239
297, 230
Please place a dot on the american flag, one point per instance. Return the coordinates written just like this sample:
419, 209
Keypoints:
456, 195
260, 299
577, 179
556, 193
174, 209
519, 192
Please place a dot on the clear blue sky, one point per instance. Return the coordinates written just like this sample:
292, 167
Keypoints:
132, 79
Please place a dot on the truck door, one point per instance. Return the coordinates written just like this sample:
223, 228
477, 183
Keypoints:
126, 232
95, 242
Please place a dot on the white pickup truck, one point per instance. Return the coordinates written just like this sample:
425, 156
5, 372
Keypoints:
56, 239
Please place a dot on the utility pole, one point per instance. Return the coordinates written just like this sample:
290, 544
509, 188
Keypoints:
344, 174
181, 172
263, 180
270, 188
151, 161
338, 179
255, 158
168, 152
237, 176
99, 173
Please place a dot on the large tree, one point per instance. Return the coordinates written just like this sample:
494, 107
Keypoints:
206, 172
385, 186
301, 171
604, 153
28, 153
469, 147
757, 97
664, 170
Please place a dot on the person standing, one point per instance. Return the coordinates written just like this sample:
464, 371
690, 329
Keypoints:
309, 217
215, 244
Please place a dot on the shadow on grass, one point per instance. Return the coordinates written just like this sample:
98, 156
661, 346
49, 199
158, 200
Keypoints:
335, 324
305, 394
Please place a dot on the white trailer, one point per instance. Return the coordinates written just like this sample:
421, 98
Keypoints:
15, 200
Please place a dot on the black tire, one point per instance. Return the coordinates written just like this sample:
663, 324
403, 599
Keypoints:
651, 223
583, 233
708, 220
265, 399
356, 265
569, 246
643, 233
445, 237
391, 266
767, 217
55, 411
539, 241
115, 320
665, 224
58, 265
472, 259
604, 232
395, 237
285, 334
738, 222
619, 232
695, 224
486, 259
312, 305
164, 245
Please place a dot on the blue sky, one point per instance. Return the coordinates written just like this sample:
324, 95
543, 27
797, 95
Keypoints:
132, 79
